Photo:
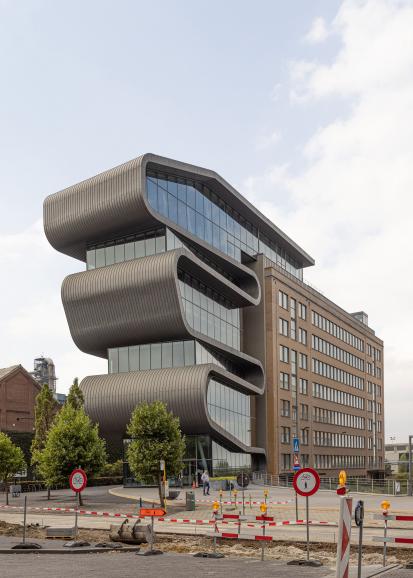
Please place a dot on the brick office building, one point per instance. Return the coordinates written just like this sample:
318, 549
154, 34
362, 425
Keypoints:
324, 381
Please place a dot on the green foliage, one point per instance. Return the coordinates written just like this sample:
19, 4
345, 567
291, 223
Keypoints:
156, 435
11, 460
75, 397
112, 470
44, 412
72, 441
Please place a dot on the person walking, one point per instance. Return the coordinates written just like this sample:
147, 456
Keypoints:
205, 483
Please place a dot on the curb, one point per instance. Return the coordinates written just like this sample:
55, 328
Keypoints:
69, 550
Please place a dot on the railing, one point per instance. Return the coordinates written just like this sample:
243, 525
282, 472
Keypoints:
388, 487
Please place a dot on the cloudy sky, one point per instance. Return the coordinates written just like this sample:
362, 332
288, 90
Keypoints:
305, 107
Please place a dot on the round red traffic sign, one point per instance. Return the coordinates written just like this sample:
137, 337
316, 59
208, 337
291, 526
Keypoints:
78, 480
306, 482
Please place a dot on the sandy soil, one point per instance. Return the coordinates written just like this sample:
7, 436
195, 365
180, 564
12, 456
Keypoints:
279, 550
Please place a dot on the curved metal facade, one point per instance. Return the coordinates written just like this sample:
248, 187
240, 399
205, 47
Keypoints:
183, 389
138, 301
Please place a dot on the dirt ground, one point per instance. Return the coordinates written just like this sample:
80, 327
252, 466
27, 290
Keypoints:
279, 550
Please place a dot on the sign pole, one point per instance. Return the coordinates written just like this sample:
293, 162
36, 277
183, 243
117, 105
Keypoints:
296, 507
76, 513
24, 520
308, 527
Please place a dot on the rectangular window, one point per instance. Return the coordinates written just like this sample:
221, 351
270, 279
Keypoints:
302, 311
293, 329
304, 411
284, 353
285, 408
283, 326
286, 461
302, 336
304, 436
283, 299
303, 361
284, 380
285, 435
303, 386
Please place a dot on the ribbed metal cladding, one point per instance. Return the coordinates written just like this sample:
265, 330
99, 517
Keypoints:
139, 301
183, 389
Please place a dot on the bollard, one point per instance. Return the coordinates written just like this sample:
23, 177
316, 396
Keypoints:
385, 505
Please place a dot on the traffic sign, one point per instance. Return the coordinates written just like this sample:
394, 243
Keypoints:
296, 445
296, 464
306, 482
78, 480
243, 480
152, 512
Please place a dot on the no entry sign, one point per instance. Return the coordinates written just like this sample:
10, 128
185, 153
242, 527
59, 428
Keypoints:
306, 482
78, 480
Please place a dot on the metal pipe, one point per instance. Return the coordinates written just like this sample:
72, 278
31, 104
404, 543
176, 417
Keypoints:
24, 519
308, 527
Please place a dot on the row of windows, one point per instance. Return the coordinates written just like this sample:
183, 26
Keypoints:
283, 302
285, 383
337, 396
126, 249
331, 350
373, 352
286, 435
197, 209
338, 462
286, 461
373, 370
337, 374
338, 440
283, 326
162, 355
322, 415
374, 389
286, 354
334, 329
285, 410
371, 424
223, 459
230, 409
208, 312
373, 406
379, 443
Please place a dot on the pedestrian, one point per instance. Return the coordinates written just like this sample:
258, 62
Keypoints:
205, 482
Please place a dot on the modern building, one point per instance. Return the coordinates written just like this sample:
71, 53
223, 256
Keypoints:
195, 298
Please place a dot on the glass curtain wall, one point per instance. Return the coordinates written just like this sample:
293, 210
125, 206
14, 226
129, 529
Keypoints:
210, 313
230, 409
162, 355
199, 210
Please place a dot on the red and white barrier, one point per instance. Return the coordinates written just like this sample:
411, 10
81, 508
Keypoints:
392, 539
230, 518
234, 536
400, 518
344, 535
247, 503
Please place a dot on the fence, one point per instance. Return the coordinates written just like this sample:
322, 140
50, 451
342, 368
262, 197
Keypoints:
389, 487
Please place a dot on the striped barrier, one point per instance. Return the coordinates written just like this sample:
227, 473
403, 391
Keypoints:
247, 503
234, 536
400, 518
230, 518
344, 536
392, 539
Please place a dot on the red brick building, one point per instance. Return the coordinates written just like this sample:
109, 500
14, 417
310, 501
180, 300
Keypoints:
18, 391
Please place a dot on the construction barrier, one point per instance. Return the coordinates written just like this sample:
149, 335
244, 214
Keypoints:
386, 517
246, 502
227, 518
344, 536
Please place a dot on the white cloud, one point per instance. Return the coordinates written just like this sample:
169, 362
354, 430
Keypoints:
318, 31
352, 205
33, 322
269, 140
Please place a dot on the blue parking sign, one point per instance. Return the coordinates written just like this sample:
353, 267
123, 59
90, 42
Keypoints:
296, 445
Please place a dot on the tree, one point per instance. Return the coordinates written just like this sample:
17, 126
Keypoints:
72, 441
44, 412
11, 461
156, 436
75, 397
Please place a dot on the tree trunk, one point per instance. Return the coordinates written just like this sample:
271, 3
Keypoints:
161, 498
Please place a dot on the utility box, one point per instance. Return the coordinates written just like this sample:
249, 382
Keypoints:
190, 501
